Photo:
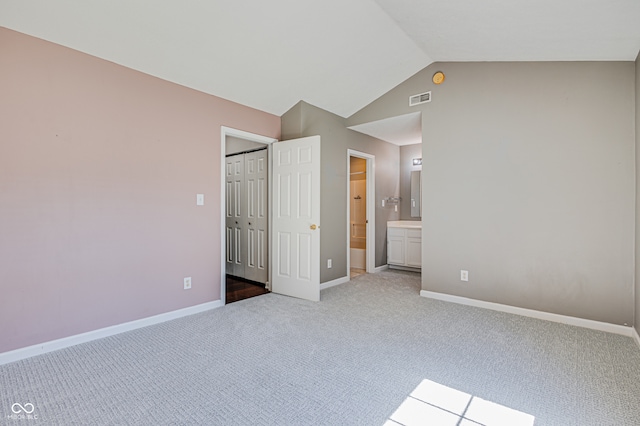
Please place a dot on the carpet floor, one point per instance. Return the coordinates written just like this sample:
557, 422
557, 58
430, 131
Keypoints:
372, 352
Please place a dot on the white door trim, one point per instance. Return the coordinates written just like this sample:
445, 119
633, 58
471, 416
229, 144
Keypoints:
224, 132
371, 209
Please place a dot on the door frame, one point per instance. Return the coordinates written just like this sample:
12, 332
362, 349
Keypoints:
241, 134
371, 210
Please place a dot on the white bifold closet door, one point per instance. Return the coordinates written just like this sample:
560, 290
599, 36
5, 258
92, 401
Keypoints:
246, 216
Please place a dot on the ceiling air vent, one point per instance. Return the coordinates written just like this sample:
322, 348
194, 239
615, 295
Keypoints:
420, 99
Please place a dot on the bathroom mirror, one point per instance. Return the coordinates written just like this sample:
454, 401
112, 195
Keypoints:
415, 194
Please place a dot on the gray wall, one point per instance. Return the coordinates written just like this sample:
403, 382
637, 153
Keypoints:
407, 154
307, 120
637, 290
528, 172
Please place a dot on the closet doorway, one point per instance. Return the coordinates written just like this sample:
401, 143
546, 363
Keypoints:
245, 209
360, 213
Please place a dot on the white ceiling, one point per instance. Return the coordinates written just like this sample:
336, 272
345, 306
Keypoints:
521, 30
335, 54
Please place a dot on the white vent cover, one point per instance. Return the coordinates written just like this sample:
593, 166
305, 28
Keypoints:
420, 99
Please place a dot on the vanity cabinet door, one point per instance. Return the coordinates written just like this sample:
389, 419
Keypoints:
395, 246
414, 252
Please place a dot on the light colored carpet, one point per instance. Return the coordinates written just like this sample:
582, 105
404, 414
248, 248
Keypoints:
352, 359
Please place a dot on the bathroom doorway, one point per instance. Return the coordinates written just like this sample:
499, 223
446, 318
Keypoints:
360, 213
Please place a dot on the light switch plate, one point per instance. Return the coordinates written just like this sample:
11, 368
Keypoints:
200, 199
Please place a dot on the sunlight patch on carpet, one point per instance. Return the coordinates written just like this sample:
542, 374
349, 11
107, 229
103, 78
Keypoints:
435, 404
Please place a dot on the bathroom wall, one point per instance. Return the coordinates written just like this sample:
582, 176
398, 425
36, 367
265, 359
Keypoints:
358, 188
407, 154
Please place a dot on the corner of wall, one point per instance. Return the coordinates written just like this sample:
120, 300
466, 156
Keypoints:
291, 122
636, 321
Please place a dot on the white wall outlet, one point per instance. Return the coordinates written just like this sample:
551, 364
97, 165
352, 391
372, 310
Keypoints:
199, 199
382, 203
329, 263
464, 275
395, 207
187, 283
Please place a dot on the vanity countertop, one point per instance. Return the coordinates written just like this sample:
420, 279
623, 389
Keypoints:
411, 224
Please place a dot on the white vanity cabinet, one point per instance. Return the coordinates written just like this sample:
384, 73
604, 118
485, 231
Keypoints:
404, 244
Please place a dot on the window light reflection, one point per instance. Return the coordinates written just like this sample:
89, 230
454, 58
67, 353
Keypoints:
434, 404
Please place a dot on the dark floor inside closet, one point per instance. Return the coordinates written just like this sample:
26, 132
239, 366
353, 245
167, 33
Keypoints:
240, 289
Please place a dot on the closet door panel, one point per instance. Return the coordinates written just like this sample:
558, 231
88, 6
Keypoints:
246, 216
257, 223
236, 207
241, 212
229, 216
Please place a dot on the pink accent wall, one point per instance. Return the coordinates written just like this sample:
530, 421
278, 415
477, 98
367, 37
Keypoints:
99, 170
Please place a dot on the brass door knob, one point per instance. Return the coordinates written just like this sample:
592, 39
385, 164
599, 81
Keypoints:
313, 227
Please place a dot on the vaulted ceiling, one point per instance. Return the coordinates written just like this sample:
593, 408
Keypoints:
338, 55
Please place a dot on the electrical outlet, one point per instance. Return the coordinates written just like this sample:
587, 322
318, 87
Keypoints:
329, 263
464, 275
187, 283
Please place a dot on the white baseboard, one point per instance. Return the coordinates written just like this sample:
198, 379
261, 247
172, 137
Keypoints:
346, 279
405, 268
564, 319
636, 337
54, 345
335, 282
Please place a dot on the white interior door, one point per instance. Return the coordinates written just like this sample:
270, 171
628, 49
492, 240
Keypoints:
296, 218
